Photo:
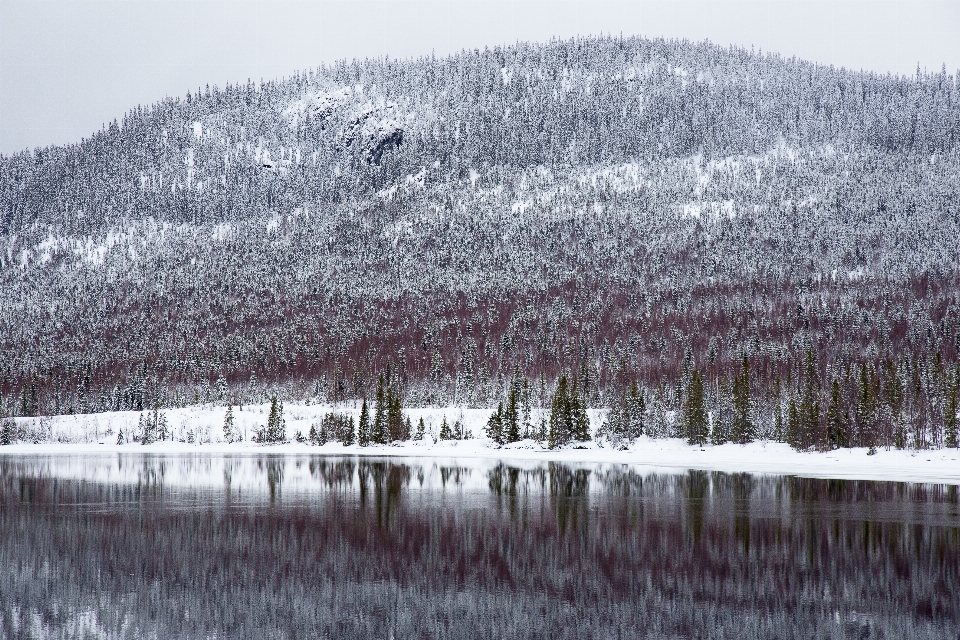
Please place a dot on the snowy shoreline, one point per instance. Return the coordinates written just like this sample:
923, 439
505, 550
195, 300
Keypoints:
97, 433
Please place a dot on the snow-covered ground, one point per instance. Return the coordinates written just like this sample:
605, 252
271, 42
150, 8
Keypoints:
97, 433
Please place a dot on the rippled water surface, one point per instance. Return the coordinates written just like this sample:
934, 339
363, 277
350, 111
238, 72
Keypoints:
214, 546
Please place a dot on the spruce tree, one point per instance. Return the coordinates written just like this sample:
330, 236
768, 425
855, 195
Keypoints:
445, 432
719, 433
560, 416
276, 428
695, 411
836, 418
421, 430
163, 429
228, 429
348, 435
793, 425
394, 417
363, 428
495, 427
379, 433
579, 418
148, 429
950, 411
866, 410
636, 407
6, 431
511, 417
742, 430
323, 435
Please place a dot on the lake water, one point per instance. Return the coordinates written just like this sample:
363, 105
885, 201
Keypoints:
217, 546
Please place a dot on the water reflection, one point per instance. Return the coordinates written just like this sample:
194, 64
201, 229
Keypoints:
216, 546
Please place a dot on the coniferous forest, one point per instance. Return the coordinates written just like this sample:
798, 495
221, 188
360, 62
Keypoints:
713, 243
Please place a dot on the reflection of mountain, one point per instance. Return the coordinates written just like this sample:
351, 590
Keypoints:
607, 204
546, 549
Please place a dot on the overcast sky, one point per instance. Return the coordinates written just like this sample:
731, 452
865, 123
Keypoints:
68, 66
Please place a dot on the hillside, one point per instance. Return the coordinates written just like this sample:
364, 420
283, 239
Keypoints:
622, 210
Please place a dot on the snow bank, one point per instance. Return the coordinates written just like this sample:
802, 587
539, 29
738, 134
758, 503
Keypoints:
97, 433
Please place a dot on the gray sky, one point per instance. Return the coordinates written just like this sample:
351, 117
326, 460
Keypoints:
68, 66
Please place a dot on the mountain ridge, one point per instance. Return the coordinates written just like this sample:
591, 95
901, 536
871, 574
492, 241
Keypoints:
607, 207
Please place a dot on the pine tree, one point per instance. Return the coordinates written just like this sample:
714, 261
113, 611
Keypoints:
421, 430
743, 429
276, 427
836, 418
561, 420
163, 429
228, 429
636, 407
394, 417
445, 432
495, 430
148, 429
695, 411
866, 410
347, 437
810, 432
579, 418
511, 418
323, 435
950, 411
793, 425
379, 433
6, 431
719, 433
363, 428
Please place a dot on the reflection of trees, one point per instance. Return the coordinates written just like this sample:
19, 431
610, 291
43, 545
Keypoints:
695, 491
564, 560
742, 490
273, 466
569, 490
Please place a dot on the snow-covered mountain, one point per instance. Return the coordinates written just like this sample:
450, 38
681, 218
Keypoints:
621, 209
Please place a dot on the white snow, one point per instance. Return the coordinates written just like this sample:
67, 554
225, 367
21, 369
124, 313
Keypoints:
97, 433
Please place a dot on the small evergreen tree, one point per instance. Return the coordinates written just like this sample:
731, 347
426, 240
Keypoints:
445, 432
511, 418
228, 428
561, 418
276, 428
495, 429
836, 418
950, 411
636, 407
347, 437
421, 430
163, 428
579, 418
148, 429
743, 428
695, 411
793, 425
379, 433
363, 428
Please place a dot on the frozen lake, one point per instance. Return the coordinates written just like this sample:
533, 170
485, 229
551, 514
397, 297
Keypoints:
217, 545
